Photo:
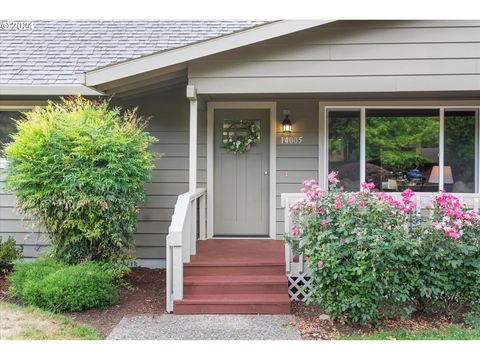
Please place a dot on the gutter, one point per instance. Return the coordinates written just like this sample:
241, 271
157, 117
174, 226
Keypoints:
48, 90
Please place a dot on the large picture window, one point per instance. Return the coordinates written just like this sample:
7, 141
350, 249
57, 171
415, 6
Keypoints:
401, 148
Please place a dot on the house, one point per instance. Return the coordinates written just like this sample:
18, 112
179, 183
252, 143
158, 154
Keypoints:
395, 102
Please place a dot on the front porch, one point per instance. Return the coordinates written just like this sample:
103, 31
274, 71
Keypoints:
315, 146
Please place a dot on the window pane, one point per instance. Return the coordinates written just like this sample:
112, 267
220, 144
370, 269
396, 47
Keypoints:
402, 149
7, 127
344, 147
459, 173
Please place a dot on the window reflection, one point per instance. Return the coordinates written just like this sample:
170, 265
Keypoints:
344, 147
402, 149
459, 151
7, 127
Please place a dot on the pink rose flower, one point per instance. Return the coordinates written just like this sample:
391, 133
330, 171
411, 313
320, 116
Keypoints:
453, 234
332, 177
366, 187
338, 203
407, 195
320, 264
324, 223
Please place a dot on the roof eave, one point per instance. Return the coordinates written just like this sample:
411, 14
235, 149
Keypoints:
235, 40
47, 90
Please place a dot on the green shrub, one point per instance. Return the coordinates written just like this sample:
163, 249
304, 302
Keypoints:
9, 252
78, 168
472, 318
56, 286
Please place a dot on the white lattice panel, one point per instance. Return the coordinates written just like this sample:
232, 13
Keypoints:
299, 287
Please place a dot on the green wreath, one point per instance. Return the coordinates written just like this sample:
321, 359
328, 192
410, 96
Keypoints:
240, 144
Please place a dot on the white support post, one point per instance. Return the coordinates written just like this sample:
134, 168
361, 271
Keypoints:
441, 146
187, 238
169, 278
177, 273
192, 170
193, 227
286, 222
362, 144
202, 218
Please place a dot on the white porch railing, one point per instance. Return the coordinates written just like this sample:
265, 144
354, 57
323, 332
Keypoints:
296, 268
188, 225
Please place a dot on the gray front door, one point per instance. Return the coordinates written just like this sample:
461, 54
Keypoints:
241, 181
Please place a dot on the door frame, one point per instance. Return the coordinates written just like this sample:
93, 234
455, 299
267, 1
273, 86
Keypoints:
264, 105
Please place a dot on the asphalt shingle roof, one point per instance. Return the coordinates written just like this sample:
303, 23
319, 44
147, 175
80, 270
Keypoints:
54, 51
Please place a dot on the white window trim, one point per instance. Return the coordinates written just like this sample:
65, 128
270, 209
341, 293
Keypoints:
323, 144
3, 161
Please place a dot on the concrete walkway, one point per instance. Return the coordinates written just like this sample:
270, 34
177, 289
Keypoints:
206, 327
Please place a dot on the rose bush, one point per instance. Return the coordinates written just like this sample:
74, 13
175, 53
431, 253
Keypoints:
371, 255
449, 257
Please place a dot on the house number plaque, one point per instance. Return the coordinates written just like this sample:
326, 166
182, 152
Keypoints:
291, 140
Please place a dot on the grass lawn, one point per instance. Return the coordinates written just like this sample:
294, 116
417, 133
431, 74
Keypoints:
451, 332
30, 323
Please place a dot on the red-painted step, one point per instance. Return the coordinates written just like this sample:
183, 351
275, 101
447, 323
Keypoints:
194, 269
242, 284
235, 277
238, 304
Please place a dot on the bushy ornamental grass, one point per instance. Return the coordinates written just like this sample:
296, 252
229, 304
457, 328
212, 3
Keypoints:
56, 286
371, 255
78, 168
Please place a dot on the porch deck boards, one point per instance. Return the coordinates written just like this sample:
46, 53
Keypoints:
230, 276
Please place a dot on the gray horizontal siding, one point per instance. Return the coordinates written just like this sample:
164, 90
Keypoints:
296, 163
351, 56
141, 251
339, 84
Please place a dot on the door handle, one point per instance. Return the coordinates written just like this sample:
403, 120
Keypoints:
265, 173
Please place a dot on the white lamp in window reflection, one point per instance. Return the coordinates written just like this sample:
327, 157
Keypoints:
447, 175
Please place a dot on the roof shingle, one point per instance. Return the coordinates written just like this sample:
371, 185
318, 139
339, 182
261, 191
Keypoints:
54, 51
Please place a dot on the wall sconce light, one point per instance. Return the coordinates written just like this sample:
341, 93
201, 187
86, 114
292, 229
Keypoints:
286, 123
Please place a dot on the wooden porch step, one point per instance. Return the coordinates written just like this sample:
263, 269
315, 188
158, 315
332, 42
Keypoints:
239, 284
235, 277
232, 269
238, 304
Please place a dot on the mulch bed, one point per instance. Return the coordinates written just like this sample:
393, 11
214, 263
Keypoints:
312, 328
146, 298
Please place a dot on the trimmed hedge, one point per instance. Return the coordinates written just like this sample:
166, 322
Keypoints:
56, 286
